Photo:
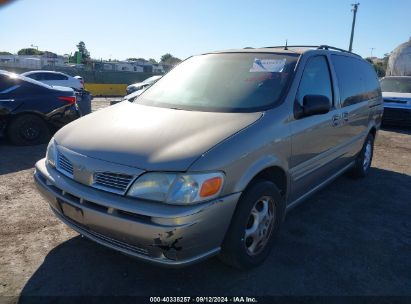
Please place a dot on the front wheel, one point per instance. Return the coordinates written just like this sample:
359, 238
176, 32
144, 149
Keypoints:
255, 222
364, 158
28, 130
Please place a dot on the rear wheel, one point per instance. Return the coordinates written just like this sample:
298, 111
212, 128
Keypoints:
364, 158
28, 130
255, 222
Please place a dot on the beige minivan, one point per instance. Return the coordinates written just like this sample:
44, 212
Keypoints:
208, 160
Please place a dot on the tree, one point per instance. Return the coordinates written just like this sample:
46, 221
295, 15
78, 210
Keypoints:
5, 53
152, 61
379, 66
166, 57
135, 59
29, 51
169, 59
81, 46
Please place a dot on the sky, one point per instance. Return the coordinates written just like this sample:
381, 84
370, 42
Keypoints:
150, 28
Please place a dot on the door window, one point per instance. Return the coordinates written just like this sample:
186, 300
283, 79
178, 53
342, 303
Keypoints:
316, 79
356, 79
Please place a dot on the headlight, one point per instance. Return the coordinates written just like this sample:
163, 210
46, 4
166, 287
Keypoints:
177, 188
51, 154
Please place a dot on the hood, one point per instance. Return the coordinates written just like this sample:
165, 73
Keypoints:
150, 138
395, 95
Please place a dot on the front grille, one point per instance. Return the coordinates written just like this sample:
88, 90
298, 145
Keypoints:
112, 181
396, 100
397, 116
64, 165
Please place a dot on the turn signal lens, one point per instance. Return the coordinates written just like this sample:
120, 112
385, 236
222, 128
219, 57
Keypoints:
211, 186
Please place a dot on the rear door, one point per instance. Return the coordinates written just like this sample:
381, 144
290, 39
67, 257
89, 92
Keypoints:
316, 140
358, 88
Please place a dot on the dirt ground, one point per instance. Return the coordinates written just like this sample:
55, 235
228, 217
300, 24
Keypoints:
352, 238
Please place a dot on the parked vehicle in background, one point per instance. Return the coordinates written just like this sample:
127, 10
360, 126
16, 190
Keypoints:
54, 78
30, 111
130, 97
396, 91
208, 160
141, 85
81, 80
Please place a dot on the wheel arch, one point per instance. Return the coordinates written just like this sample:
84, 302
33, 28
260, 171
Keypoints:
13, 116
270, 169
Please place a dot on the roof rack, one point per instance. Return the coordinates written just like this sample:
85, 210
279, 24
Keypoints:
318, 47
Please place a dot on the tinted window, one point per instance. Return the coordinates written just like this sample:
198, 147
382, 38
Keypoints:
396, 84
357, 80
35, 76
54, 76
316, 79
230, 82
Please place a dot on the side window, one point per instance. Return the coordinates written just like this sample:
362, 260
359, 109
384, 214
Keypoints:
34, 76
372, 84
40, 76
57, 77
356, 81
316, 79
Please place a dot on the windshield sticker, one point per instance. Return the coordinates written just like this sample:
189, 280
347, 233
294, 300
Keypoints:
268, 65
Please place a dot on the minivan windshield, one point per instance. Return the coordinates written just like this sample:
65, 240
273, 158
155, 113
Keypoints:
396, 84
224, 82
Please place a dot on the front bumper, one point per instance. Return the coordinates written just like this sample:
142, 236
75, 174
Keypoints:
153, 232
397, 115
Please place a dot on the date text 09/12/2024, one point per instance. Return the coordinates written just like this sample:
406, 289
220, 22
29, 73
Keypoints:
203, 300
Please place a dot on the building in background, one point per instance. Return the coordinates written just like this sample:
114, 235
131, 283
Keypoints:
52, 61
48, 60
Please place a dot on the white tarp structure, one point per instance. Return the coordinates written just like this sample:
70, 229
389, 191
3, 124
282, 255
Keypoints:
399, 63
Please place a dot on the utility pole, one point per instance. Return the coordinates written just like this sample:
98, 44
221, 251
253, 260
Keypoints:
372, 49
354, 10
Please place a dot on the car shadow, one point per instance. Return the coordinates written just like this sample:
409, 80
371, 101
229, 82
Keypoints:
17, 158
397, 129
352, 238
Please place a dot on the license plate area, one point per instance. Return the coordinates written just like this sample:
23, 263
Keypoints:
72, 212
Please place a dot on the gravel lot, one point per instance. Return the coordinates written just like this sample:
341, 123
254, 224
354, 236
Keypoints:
352, 238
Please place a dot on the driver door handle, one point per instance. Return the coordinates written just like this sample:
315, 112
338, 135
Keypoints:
345, 116
335, 119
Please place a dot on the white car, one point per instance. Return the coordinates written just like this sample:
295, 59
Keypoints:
144, 84
396, 91
54, 78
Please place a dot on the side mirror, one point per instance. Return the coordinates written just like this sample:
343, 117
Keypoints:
313, 105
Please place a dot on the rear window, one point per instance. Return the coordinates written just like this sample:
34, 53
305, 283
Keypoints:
357, 80
227, 82
396, 84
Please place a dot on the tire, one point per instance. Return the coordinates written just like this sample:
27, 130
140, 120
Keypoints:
245, 252
364, 158
28, 129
